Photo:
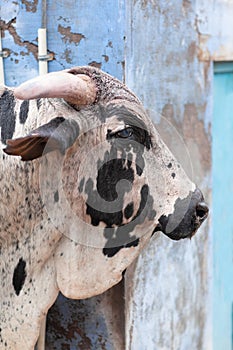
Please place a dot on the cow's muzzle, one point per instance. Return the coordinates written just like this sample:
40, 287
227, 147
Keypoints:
188, 215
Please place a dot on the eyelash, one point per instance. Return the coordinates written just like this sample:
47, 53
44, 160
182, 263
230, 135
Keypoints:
125, 133
139, 135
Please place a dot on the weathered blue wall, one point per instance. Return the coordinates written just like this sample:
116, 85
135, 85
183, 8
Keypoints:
165, 51
169, 299
172, 48
79, 33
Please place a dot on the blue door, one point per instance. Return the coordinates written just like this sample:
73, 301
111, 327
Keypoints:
223, 207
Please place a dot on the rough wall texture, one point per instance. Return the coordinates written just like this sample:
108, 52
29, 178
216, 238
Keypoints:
167, 299
95, 323
165, 50
213, 21
79, 33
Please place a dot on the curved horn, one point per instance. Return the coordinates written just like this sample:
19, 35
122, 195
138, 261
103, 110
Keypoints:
77, 89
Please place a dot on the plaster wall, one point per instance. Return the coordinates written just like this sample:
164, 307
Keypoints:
164, 50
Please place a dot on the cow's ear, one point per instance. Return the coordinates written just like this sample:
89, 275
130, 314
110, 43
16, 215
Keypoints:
58, 134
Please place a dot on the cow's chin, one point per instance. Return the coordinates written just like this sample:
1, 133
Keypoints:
180, 232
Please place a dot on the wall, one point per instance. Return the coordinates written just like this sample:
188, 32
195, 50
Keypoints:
169, 65
168, 300
164, 50
78, 34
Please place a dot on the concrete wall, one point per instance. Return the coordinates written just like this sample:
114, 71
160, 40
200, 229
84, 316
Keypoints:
169, 65
79, 33
165, 51
168, 302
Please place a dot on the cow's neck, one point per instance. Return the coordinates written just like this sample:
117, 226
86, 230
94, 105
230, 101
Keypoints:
22, 210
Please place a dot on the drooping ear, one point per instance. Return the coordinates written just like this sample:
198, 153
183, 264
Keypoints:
58, 134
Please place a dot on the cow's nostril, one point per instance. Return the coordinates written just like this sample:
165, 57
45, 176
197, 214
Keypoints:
202, 210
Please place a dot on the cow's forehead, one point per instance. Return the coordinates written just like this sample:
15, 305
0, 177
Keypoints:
130, 112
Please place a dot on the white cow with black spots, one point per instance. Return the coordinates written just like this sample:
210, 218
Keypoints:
85, 181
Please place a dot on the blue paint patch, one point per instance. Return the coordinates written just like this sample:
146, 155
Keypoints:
102, 37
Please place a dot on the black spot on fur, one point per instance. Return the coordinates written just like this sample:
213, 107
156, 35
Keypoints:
128, 212
19, 276
116, 174
123, 272
56, 196
110, 252
120, 237
7, 115
138, 138
81, 185
109, 176
23, 113
114, 179
173, 175
38, 103
169, 165
98, 210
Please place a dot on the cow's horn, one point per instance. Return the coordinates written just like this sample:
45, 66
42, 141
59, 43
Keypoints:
76, 89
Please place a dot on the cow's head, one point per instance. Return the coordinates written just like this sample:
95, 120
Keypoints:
122, 179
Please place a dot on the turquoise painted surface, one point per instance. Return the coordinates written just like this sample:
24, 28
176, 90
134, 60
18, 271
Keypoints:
80, 32
222, 207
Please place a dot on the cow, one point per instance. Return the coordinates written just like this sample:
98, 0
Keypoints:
85, 182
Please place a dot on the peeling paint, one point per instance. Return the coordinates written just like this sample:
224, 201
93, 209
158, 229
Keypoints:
95, 323
186, 6
31, 48
194, 131
69, 36
192, 51
106, 58
110, 44
189, 140
213, 25
31, 6
203, 52
67, 55
101, 44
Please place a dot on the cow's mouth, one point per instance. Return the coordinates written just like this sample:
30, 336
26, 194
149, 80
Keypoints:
188, 215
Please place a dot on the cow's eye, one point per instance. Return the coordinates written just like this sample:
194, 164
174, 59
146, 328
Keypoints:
125, 133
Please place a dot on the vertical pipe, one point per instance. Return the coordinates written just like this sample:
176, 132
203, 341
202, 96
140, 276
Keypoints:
2, 80
42, 41
42, 50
